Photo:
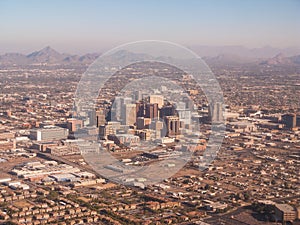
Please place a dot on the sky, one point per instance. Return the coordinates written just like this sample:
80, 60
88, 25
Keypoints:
81, 26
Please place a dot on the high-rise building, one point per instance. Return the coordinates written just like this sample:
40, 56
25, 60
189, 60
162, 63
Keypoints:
140, 109
158, 99
97, 118
215, 112
184, 113
118, 106
100, 117
167, 111
128, 114
184, 116
115, 112
143, 123
110, 128
126, 100
74, 124
152, 110
159, 130
173, 125
189, 104
148, 110
137, 95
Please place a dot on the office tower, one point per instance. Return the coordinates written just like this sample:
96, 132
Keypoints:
137, 95
117, 107
183, 113
173, 125
149, 110
184, 116
158, 128
97, 118
167, 111
118, 104
189, 104
143, 123
100, 117
92, 118
128, 114
290, 120
74, 124
126, 100
115, 112
109, 129
156, 125
159, 99
140, 109
152, 110
215, 112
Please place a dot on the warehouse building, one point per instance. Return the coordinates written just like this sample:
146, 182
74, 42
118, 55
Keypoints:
49, 133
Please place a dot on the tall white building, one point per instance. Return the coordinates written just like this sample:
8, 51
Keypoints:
128, 114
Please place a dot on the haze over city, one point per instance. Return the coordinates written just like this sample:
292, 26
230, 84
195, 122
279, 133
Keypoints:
108, 116
79, 27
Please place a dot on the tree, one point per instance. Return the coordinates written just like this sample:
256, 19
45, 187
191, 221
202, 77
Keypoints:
53, 195
246, 196
207, 187
273, 182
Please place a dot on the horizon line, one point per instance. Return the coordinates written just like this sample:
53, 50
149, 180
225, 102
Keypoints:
104, 49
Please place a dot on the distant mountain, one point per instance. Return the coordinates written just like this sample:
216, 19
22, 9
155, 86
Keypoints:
228, 59
211, 54
71, 59
281, 59
263, 53
296, 59
276, 60
88, 58
46, 55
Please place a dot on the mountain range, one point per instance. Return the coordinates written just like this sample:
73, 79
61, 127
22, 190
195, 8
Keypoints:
244, 52
46, 55
281, 59
212, 55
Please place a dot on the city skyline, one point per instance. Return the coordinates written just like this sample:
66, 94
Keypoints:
149, 112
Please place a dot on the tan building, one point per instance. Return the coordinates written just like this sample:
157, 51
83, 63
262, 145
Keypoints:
129, 114
173, 125
158, 99
143, 123
285, 212
74, 124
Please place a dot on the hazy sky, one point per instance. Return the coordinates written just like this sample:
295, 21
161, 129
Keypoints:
90, 26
